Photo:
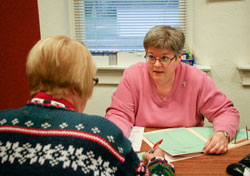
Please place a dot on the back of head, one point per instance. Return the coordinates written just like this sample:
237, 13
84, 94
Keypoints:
165, 37
57, 64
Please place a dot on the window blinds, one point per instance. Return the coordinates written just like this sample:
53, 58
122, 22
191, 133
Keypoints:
122, 24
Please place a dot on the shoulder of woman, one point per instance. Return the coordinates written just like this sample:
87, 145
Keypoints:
136, 67
191, 69
136, 71
192, 72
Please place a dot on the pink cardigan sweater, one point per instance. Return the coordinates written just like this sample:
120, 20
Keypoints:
193, 97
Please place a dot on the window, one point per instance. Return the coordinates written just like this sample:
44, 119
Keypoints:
121, 25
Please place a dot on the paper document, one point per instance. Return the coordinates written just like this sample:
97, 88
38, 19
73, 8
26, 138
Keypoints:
177, 141
185, 141
246, 171
170, 158
135, 136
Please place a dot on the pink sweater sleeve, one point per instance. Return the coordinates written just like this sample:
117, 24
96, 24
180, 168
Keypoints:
217, 108
122, 109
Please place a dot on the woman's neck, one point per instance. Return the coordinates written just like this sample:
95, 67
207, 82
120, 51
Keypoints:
165, 86
76, 100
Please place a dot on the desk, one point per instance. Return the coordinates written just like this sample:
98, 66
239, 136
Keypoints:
206, 164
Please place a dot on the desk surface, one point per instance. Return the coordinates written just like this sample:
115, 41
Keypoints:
206, 164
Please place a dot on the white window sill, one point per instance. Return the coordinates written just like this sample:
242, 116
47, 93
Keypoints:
245, 67
111, 68
244, 70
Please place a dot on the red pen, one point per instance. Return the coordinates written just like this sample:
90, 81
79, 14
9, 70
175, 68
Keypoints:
155, 146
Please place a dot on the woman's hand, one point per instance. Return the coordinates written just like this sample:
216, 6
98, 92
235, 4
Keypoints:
216, 144
148, 156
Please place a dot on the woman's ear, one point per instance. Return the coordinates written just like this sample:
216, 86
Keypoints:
78, 101
74, 92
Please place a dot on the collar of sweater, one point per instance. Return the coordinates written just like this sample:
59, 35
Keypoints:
45, 99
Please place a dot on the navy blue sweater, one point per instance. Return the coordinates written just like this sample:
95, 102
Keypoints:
46, 139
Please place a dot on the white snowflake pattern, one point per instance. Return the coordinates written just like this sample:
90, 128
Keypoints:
37, 100
79, 126
22, 152
5, 152
100, 167
15, 121
90, 154
63, 125
35, 153
95, 130
46, 125
78, 162
55, 103
69, 158
111, 139
56, 155
3, 121
45, 154
120, 149
29, 123
114, 169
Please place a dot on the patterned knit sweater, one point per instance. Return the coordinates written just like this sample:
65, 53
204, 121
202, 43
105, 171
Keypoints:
45, 137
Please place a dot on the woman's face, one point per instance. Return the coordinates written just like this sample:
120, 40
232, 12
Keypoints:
165, 63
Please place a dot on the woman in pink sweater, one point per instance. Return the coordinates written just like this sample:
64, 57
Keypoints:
164, 92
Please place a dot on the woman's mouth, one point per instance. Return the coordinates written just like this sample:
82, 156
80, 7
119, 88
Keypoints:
158, 72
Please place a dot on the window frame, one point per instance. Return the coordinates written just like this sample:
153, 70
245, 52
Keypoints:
127, 58
186, 22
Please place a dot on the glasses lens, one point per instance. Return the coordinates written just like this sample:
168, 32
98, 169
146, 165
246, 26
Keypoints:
150, 59
164, 60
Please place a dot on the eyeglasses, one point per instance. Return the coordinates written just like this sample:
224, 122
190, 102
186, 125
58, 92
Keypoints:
164, 60
96, 80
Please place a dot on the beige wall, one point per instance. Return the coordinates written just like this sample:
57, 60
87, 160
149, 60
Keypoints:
219, 37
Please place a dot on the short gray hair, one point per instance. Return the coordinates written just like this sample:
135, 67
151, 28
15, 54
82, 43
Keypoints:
165, 37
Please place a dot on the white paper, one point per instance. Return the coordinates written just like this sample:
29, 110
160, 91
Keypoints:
247, 171
135, 136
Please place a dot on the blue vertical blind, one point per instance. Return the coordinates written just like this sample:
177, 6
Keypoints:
122, 24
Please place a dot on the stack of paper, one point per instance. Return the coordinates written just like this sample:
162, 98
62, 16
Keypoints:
181, 143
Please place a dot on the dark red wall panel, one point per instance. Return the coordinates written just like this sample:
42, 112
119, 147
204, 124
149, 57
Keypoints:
19, 31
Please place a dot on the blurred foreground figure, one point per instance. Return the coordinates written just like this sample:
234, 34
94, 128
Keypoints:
51, 136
